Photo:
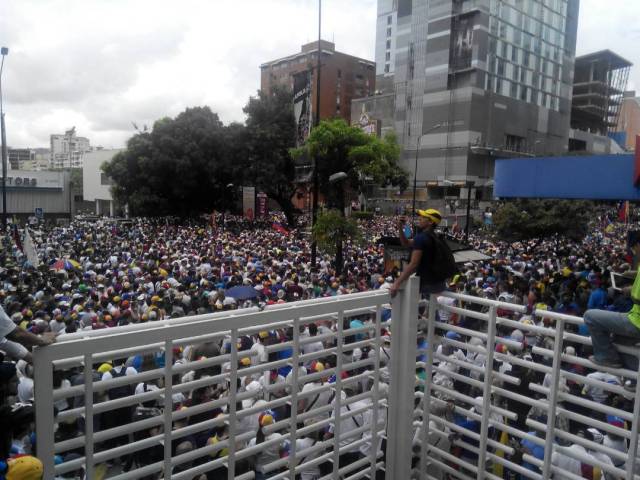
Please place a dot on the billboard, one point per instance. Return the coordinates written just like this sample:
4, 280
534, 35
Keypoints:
249, 202
302, 105
462, 43
262, 205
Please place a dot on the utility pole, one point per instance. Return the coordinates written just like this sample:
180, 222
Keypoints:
4, 52
314, 210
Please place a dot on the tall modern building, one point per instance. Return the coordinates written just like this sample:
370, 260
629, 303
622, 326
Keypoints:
476, 80
343, 77
67, 150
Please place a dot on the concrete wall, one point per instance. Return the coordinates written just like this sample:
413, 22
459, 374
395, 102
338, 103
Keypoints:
93, 187
46, 190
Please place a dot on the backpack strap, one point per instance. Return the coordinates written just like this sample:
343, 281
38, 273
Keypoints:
353, 418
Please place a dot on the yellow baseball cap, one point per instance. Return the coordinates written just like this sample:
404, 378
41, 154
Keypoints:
432, 214
24, 468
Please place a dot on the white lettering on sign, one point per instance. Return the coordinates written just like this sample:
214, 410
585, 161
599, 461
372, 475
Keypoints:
22, 181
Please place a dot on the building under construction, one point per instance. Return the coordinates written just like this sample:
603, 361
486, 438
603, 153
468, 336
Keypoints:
598, 87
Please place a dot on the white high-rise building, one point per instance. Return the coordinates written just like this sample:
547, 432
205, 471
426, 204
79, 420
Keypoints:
67, 150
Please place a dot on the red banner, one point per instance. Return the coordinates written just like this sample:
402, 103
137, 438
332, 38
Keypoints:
263, 209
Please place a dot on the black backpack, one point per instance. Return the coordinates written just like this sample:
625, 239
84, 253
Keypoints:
122, 390
442, 265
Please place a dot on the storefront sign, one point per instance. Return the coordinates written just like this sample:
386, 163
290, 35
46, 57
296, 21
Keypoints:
22, 182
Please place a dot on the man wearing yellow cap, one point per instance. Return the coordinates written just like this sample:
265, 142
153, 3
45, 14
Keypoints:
423, 250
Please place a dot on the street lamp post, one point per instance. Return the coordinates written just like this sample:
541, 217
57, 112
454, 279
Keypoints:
469, 184
314, 210
4, 51
415, 173
333, 179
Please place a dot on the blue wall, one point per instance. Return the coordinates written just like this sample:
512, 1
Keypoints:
596, 177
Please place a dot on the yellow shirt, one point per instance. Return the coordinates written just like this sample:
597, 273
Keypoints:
634, 314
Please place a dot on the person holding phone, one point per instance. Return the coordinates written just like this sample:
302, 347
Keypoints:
423, 249
603, 324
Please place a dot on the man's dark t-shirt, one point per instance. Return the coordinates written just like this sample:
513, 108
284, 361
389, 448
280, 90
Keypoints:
424, 241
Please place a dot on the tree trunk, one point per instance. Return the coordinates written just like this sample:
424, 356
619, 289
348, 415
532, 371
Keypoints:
339, 259
287, 207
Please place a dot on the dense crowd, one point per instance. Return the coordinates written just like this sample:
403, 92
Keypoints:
101, 274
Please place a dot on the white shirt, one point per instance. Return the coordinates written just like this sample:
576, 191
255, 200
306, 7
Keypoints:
6, 325
347, 425
599, 394
268, 454
312, 347
567, 463
307, 473
317, 400
618, 444
367, 419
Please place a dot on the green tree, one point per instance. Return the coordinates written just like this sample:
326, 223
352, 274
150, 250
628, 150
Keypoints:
332, 228
338, 147
270, 134
178, 168
525, 219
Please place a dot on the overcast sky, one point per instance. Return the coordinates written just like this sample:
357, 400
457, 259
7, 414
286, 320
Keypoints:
100, 65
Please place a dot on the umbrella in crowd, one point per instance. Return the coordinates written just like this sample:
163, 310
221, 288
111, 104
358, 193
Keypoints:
242, 292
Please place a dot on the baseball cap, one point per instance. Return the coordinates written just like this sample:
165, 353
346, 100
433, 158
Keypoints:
24, 468
432, 214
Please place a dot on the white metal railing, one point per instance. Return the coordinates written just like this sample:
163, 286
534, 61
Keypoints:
463, 440
163, 427
483, 455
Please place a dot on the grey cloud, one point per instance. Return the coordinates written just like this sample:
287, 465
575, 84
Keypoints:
79, 71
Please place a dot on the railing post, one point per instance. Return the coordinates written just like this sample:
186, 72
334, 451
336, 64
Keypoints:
404, 325
553, 399
486, 392
43, 390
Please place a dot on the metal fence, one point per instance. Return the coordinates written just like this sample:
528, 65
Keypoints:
457, 384
142, 442
510, 416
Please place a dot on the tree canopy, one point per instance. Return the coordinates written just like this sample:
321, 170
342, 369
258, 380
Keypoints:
338, 147
178, 168
270, 134
184, 165
525, 219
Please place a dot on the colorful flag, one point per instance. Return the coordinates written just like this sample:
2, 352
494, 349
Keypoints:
279, 228
30, 250
623, 211
16, 237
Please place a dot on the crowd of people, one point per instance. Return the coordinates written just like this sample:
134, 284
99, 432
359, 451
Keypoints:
101, 274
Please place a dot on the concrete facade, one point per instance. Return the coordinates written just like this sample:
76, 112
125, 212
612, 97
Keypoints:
67, 150
96, 185
497, 79
343, 77
48, 191
629, 121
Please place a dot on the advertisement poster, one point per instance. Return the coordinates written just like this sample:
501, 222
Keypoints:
302, 106
262, 207
249, 202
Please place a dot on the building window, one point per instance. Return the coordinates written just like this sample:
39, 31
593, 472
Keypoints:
387, 56
514, 143
389, 32
389, 20
388, 44
339, 73
387, 67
